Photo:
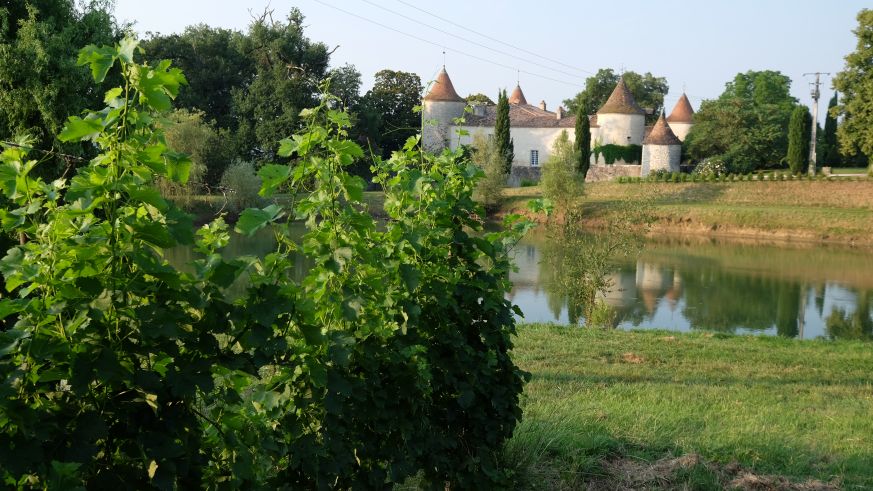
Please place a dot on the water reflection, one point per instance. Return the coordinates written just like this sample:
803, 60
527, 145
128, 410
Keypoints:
683, 285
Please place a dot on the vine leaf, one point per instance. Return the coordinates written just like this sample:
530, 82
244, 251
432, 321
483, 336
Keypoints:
253, 219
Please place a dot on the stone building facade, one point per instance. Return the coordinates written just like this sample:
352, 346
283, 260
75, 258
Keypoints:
662, 150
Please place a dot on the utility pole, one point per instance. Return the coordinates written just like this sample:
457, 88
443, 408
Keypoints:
815, 95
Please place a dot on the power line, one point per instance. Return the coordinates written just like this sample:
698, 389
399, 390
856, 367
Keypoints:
460, 52
493, 38
443, 31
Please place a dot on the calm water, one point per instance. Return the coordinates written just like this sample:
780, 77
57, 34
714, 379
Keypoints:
743, 288
687, 284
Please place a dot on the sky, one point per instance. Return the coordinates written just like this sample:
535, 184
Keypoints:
550, 46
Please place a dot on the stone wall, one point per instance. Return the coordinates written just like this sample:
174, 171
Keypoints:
600, 173
620, 129
436, 132
523, 172
660, 157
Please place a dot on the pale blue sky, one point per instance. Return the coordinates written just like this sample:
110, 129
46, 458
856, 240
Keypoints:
699, 45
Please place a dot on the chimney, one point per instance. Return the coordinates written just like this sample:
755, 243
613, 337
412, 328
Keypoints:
543, 105
559, 112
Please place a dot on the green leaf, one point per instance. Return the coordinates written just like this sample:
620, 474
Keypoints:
287, 147
99, 59
253, 219
78, 129
148, 195
272, 176
126, 48
178, 166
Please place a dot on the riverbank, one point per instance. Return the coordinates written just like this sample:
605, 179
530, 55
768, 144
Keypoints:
642, 410
807, 211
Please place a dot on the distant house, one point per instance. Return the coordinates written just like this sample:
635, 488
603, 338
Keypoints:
534, 129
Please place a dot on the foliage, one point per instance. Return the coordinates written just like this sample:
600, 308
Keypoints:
505, 144
210, 149
241, 184
747, 126
612, 153
216, 64
857, 325
798, 140
41, 84
560, 182
123, 371
388, 111
829, 148
711, 167
479, 99
648, 90
582, 143
287, 68
345, 84
489, 190
855, 83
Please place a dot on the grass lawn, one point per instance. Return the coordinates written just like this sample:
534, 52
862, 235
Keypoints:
837, 211
658, 410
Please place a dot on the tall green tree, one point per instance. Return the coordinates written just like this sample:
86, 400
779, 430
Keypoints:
40, 83
345, 83
388, 116
582, 143
288, 66
747, 126
505, 145
830, 151
648, 90
479, 99
855, 83
798, 140
216, 64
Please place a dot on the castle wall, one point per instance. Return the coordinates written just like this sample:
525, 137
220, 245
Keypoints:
657, 157
616, 128
680, 129
436, 131
601, 173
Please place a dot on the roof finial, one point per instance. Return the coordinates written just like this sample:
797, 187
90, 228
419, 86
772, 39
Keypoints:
518, 77
683, 87
444, 58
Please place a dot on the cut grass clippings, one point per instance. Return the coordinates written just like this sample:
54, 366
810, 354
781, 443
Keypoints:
657, 410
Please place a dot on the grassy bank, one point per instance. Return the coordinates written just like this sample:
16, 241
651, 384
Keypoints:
653, 410
830, 211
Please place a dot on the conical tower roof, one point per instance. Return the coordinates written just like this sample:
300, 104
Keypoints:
442, 89
621, 101
661, 134
517, 96
682, 111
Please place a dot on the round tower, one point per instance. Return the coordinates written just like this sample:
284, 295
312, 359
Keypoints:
621, 120
681, 118
661, 149
440, 106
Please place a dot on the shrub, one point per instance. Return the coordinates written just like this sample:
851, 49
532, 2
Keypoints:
123, 371
526, 183
241, 184
560, 182
612, 153
487, 156
710, 167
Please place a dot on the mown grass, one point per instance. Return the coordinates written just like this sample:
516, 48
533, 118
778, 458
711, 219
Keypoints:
799, 409
838, 211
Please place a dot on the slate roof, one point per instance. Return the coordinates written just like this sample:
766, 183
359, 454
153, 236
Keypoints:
442, 89
621, 101
661, 134
682, 111
517, 96
521, 116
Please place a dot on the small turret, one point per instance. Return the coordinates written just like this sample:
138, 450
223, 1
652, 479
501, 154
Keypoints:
440, 107
517, 96
621, 120
662, 150
681, 119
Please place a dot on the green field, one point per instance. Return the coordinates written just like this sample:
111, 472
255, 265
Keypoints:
830, 211
658, 410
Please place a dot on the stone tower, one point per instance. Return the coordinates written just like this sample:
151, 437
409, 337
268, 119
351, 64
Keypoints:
440, 106
681, 118
661, 149
621, 120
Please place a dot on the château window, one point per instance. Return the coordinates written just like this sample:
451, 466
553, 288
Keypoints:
534, 158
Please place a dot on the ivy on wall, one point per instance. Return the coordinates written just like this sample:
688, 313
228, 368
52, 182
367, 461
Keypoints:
632, 154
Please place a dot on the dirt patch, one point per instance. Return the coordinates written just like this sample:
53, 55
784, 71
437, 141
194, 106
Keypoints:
692, 472
632, 358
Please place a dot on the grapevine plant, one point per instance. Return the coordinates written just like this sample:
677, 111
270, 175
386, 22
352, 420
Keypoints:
389, 358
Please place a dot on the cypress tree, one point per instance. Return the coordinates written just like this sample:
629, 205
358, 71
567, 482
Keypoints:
798, 139
831, 151
501, 132
582, 143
